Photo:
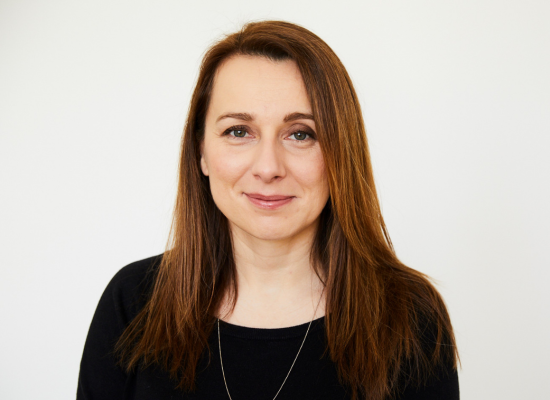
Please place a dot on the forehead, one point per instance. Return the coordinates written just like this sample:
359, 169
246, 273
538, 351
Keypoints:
258, 85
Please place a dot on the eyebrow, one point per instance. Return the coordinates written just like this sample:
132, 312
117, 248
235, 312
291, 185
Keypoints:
248, 117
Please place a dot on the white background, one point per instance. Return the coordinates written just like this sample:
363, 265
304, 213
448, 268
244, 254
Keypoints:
456, 99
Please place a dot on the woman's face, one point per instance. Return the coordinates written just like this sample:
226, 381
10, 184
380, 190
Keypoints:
260, 152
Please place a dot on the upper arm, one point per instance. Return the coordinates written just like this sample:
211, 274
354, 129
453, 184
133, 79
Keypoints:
438, 380
101, 377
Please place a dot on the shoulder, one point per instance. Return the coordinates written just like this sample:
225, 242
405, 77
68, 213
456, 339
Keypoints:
128, 290
420, 314
433, 368
432, 373
125, 295
135, 274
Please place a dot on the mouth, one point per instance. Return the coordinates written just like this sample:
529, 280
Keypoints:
269, 202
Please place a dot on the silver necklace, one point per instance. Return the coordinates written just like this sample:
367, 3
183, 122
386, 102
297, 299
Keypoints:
295, 358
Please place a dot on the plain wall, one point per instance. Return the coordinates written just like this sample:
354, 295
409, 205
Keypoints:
455, 95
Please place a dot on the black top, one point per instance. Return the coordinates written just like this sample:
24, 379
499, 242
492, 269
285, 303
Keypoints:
255, 360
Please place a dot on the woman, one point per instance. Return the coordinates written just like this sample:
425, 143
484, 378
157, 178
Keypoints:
280, 280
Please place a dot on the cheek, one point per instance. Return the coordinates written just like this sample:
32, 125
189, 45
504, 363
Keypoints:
312, 177
225, 169
317, 172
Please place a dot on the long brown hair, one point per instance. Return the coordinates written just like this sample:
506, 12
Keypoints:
377, 309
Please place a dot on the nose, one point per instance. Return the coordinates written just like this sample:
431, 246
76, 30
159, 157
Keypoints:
268, 164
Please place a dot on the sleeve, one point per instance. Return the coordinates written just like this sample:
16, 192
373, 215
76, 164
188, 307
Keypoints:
100, 377
443, 382
443, 385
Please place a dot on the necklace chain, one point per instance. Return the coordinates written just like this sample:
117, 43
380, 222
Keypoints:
292, 366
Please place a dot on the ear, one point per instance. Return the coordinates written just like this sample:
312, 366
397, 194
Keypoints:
204, 166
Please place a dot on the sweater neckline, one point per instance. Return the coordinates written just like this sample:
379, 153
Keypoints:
245, 332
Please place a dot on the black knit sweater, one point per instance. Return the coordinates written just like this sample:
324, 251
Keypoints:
255, 360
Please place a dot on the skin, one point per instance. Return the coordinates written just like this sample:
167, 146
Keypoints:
259, 151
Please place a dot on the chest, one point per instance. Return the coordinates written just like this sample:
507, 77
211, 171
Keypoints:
254, 369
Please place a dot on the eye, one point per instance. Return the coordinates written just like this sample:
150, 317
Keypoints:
236, 131
301, 135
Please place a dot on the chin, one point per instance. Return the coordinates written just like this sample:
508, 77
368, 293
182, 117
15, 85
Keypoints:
271, 233
268, 231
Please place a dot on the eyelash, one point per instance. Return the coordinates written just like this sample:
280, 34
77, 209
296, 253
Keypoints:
311, 136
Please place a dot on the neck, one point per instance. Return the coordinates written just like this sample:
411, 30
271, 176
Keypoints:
277, 285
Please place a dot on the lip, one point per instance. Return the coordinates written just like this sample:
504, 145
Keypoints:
268, 202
